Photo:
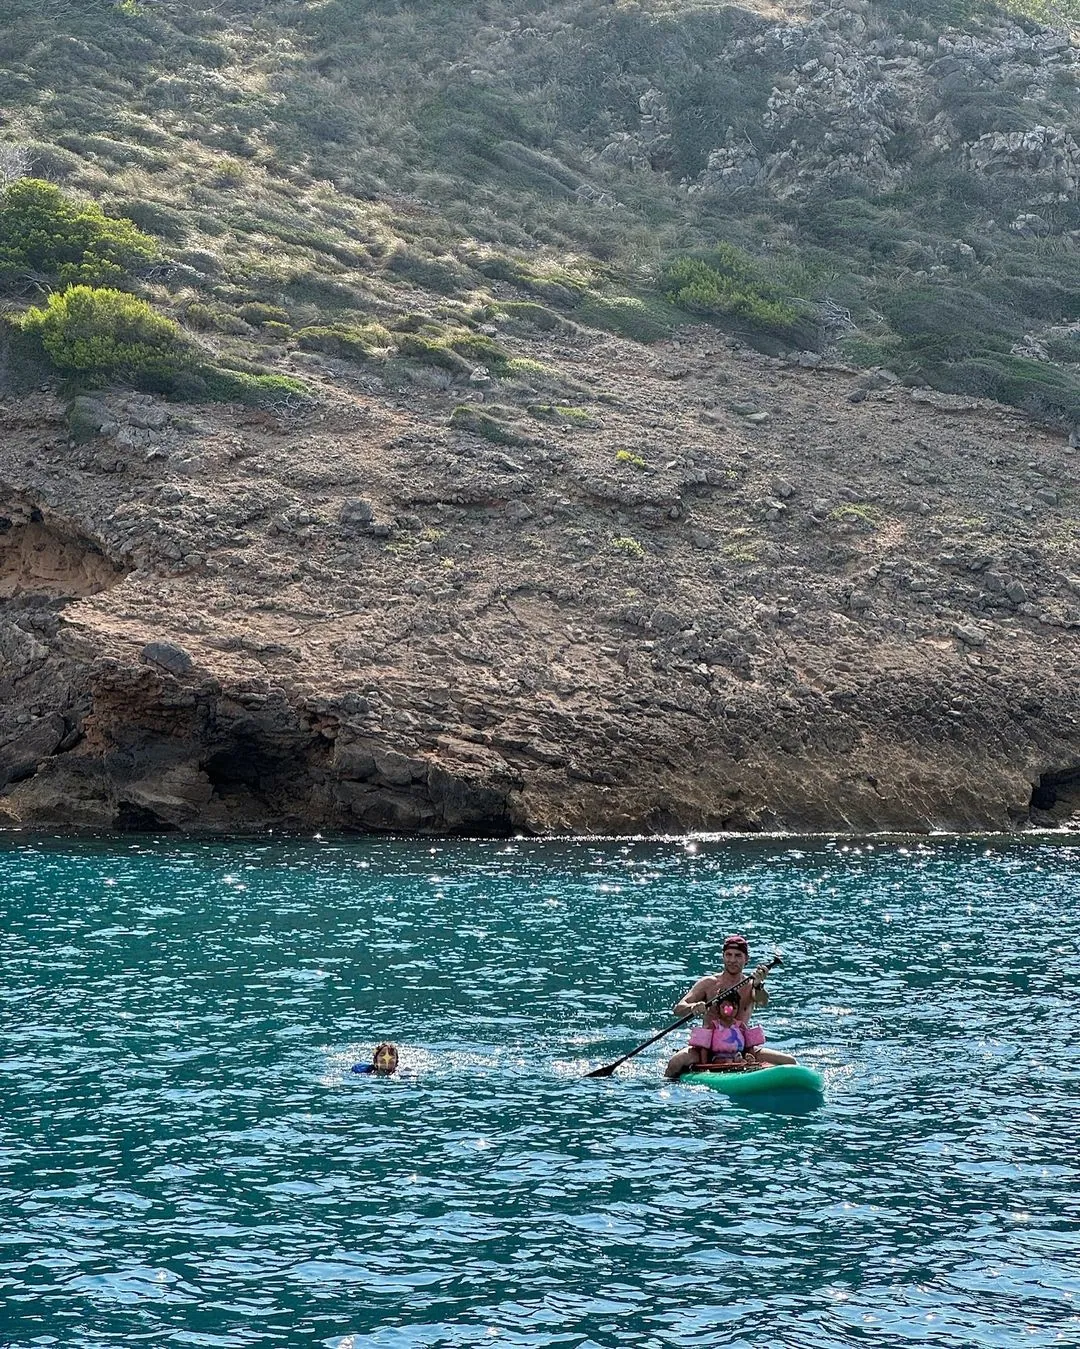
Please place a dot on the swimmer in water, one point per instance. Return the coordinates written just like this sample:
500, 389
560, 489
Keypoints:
384, 1061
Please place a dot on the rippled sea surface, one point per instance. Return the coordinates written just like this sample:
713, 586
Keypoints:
186, 1158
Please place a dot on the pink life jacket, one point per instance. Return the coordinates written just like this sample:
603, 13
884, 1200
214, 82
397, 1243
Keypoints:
725, 1040
720, 1039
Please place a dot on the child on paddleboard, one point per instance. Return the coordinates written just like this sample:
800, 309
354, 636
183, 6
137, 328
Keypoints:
726, 1042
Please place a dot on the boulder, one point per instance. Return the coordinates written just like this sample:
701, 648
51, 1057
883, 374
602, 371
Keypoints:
169, 656
22, 755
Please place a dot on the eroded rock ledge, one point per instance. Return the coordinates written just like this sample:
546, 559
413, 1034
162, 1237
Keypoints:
808, 600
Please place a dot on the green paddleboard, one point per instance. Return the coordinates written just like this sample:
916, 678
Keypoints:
781, 1079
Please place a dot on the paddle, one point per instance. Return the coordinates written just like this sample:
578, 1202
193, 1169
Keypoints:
609, 1068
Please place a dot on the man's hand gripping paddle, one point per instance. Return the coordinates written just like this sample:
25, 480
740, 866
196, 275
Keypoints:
609, 1068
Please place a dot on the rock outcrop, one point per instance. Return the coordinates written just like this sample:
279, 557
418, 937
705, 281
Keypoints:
851, 97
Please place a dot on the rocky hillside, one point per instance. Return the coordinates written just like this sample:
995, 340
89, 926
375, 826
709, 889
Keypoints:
715, 591
617, 449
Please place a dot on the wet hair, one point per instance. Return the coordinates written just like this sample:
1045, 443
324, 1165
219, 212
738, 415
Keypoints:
384, 1047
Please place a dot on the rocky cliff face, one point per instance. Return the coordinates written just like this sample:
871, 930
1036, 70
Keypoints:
731, 592
852, 98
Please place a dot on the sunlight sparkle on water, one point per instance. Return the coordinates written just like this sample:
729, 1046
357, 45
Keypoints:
189, 1158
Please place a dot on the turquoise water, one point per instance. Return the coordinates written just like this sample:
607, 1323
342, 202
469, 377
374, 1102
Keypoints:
185, 1158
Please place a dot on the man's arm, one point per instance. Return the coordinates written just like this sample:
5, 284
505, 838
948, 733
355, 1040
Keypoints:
689, 1001
761, 996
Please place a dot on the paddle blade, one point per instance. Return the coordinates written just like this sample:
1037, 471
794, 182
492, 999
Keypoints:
607, 1070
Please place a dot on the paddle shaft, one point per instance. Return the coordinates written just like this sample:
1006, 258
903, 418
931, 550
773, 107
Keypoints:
609, 1068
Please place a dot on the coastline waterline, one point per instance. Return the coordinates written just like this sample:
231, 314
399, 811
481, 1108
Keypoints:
186, 1158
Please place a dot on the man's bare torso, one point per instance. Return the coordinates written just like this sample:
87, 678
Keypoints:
710, 985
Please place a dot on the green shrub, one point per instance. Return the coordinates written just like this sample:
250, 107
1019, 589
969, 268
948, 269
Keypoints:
868, 351
725, 283
559, 412
23, 362
870, 231
413, 323
628, 547
949, 322
977, 112
228, 173
239, 386
348, 343
206, 316
256, 313
153, 218
310, 287
1053, 12
1044, 391
481, 350
635, 317
446, 278
432, 351
201, 317
45, 233
1064, 347
107, 334
231, 324
535, 315
859, 513
705, 105
1041, 295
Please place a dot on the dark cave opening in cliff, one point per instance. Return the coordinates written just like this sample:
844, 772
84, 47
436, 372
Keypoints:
133, 819
243, 768
1057, 792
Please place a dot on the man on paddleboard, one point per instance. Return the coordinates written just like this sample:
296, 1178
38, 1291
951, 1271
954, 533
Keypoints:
751, 995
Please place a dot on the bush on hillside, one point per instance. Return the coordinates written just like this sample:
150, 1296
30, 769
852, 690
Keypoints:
100, 336
1042, 390
1064, 347
105, 334
445, 277
532, 315
257, 313
220, 385
432, 351
154, 218
344, 341
641, 319
949, 322
724, 283
46, 234
480, 350
706, 104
